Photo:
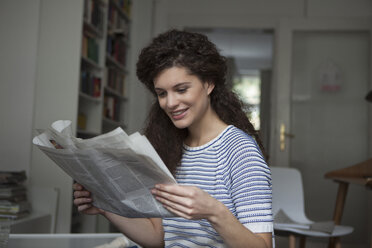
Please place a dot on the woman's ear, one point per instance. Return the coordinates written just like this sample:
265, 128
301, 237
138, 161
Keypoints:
210, 87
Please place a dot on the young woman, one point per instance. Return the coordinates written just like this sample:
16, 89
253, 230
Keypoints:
199, 129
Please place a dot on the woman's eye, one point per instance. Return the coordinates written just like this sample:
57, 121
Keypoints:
182, 90
160, 94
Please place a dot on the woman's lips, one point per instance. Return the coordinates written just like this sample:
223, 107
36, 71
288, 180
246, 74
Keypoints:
177, 115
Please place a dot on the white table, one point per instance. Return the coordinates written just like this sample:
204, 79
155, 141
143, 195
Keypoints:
68, 240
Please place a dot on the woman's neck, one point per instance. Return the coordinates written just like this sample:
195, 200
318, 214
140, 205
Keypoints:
206, 130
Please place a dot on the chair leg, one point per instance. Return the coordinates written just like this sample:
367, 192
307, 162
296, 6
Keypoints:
292, 241
302, 241
338, 243
334, 242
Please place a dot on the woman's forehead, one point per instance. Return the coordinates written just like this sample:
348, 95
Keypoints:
173, 75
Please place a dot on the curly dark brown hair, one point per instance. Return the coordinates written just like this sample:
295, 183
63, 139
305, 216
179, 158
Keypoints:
201, 58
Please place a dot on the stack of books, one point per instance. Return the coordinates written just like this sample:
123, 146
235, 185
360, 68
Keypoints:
13, 195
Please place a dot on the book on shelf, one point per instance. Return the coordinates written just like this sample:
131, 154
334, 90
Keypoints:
111, 107
90, 84
119, 13
119, 170
90, 48
93, 13
115, 80
82, 121
126, 6
116, 22
116, 49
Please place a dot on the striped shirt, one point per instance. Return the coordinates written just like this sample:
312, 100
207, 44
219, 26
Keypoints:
231, 169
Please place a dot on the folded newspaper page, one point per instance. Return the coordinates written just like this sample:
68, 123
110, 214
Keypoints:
283, 221
119, 170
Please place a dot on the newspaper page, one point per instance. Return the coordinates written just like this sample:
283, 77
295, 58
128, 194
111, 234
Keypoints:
118, 169
284, 222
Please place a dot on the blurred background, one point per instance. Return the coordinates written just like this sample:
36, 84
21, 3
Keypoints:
303, 67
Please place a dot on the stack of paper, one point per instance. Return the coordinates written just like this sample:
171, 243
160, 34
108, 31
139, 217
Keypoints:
13, 195
283, 221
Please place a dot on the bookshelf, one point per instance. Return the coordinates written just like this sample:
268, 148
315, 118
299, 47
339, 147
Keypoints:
103, 70
51, 65
102, 97
117, 45
91, 68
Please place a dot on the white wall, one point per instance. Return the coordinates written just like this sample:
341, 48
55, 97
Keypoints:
251, 13
19, 25
141, 35
338, 8
56, 91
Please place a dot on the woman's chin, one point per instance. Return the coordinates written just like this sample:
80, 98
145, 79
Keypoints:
180, 124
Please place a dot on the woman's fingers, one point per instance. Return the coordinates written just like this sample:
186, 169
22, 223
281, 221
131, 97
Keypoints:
168, 198
175, 189
81, 197
177, 199
84, 207
77, 186
83, 201
177, 212
175, 206
80, 201
189, 202
81, 193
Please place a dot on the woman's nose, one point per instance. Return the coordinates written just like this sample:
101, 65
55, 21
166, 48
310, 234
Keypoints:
172, 101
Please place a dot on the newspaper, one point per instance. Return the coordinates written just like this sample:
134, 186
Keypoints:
283, 221
119, 170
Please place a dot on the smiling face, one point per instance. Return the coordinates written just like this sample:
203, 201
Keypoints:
183, 97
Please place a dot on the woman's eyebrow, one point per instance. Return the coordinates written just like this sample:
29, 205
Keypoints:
175, 86
181, 84
159, 88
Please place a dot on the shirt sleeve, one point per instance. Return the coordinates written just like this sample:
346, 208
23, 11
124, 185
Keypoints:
250, 186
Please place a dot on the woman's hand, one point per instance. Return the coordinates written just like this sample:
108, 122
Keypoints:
83, 200
189, 202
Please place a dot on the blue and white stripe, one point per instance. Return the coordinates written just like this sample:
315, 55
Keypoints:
232, 170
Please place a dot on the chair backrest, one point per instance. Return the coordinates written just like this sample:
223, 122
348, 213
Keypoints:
288, 193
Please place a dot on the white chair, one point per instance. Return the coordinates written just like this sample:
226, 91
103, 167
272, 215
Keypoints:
288, 196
